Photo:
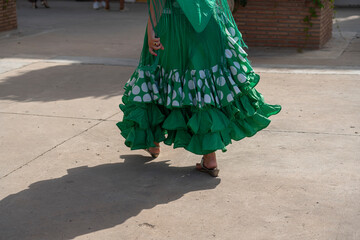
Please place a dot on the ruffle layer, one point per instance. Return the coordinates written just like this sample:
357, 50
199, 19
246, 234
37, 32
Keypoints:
198, 131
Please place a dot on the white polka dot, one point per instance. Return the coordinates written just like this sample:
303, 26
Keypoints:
202, 74
230, 45
228, 53
177, 78
198, 96
237, 65
231, 81
144, 87
191, 84
154, 88
233, 70
233, 51
160, 101
229, 97
236, 89
231, 41
180, 91
241, 77
232, 31
190, 96
241, 58
244, 67
215, 68
221, 81
193, 72
242, 50
236, 39
149, 86
169, 89
227, 31
163, 71
147, 73
175, 103
147, 98
194, 101
136, 90
141, 74
168, 101
174, 94
206, 83
199, 83
220, 94
207, 98
137, 99
217, 99
132, 81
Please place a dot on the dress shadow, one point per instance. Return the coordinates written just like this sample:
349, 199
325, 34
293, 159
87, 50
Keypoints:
89, 199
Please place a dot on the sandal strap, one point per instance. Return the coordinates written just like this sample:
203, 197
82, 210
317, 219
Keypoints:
203, 166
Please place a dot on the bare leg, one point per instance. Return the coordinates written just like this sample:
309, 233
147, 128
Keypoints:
122, 4
209, 161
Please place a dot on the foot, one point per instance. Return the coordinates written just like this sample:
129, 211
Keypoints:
154, 151
34, 5
96, 5
208, 165
44, 3
124, 9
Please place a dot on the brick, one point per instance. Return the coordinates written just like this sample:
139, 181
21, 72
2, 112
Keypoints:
8, 19
280, 23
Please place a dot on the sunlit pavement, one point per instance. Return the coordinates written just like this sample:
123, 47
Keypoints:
66, 174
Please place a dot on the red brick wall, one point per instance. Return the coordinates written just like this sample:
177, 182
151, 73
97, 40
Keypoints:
279, 23
8, 20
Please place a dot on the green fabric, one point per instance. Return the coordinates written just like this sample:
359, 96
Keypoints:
199, 92
198, 12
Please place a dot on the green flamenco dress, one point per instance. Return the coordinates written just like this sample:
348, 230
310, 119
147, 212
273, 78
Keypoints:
198, 93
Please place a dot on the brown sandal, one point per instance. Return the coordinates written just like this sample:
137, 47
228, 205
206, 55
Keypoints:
214, 172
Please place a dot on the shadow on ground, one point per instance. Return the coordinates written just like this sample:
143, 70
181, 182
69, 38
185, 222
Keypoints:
65, 82
89, 199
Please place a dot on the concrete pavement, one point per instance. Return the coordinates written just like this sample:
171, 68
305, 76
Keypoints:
65, 173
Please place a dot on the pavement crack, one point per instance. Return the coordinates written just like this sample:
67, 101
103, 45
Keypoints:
57, 145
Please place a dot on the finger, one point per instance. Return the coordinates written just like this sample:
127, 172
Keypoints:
156, 47
160, 46
152, 52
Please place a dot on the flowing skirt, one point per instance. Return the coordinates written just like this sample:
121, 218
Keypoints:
198, 94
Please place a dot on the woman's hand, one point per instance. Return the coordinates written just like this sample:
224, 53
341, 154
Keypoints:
153, 42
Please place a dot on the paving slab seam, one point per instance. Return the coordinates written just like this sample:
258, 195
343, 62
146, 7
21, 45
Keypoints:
318, 133
56, 116
57, 145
